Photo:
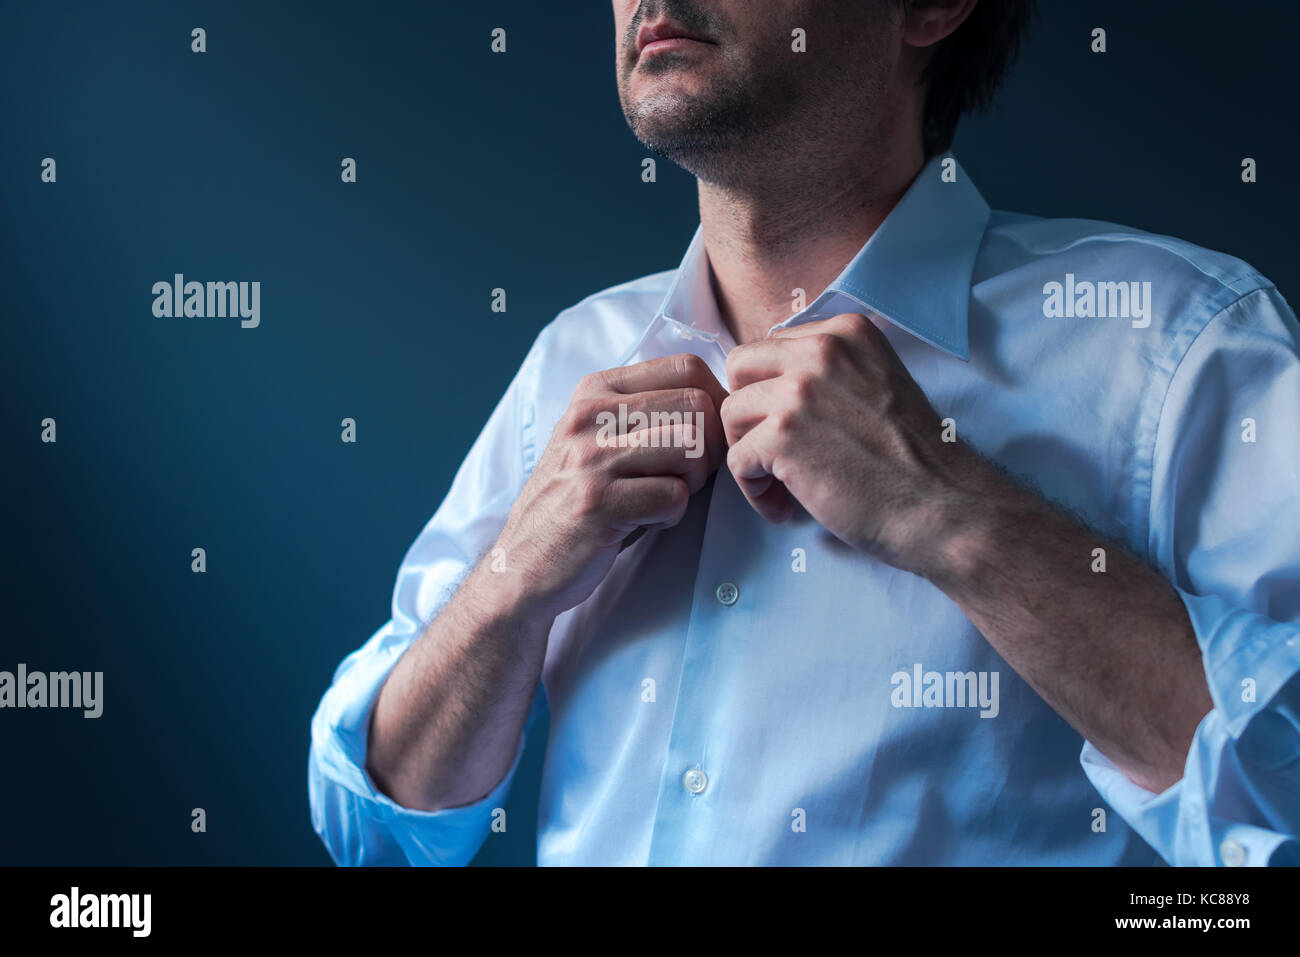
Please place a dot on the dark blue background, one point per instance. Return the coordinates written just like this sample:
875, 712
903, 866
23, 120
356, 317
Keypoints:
475, 171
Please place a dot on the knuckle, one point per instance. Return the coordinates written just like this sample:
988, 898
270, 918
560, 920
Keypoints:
681, 499
680, 494
693, 478
591, 382
735, 356
571, 425
583, 413
894, 398
827, 349
804, 387
852, 322
695, 400
735, 458
784, 424
695, 465
690, 365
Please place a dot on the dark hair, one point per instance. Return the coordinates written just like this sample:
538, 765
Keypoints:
966, 67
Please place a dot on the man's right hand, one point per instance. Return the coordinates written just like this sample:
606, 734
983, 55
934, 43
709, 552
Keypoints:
448, 718
587, 496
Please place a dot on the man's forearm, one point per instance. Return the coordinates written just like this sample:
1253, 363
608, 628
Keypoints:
1113, 652
446, 724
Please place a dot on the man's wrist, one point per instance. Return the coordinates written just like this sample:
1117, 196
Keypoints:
964, 534
496, 599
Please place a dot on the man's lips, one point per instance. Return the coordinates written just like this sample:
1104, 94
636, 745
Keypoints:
665, 35
670, 43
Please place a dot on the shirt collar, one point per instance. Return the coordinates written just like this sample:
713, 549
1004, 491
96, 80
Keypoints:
914, 271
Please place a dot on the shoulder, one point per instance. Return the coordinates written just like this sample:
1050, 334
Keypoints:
607, 322
1093, 270
589, 336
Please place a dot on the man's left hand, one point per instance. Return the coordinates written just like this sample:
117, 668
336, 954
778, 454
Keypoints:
825, 413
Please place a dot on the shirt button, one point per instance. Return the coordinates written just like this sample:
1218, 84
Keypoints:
728, 593
695, 780
1233, 854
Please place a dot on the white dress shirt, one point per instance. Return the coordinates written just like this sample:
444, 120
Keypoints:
738, 692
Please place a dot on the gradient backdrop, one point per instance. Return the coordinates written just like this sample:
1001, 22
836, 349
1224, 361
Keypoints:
475, 171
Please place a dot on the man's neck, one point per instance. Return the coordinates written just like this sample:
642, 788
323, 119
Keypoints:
794, 230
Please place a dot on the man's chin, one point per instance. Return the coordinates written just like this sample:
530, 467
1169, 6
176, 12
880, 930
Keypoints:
666, 131
693, 127
669, 93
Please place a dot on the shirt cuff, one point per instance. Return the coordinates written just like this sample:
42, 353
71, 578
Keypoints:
1182, 837
340, 728
1249, 662
1248, 658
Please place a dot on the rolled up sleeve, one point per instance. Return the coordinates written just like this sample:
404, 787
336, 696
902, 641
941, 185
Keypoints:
1225, 528
358, 823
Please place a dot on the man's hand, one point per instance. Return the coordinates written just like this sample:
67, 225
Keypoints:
827, 413
586, 496
448, 719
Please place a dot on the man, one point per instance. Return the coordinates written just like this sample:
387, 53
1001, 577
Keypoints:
886, 529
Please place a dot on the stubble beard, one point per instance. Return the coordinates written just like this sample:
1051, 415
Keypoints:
716, 134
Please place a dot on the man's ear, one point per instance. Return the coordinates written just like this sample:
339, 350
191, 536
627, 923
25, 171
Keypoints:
926, 22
